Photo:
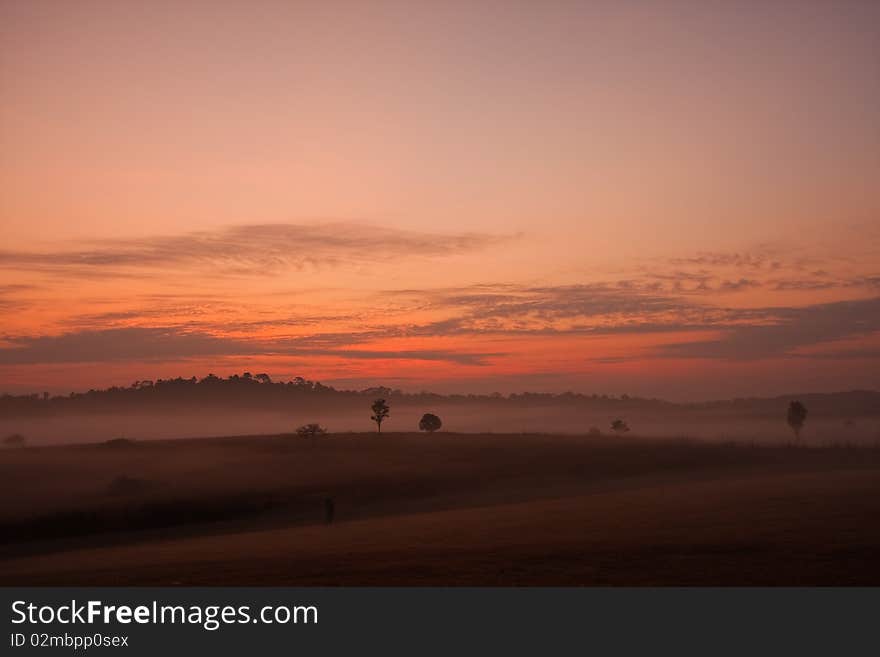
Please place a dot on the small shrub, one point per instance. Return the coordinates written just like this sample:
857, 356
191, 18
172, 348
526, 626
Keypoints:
312, 430
14, 440
619, 427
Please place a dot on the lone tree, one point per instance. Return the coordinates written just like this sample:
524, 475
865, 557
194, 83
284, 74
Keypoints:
381, 410
329, 510
797, 415
430, 423
312, 430
619, 427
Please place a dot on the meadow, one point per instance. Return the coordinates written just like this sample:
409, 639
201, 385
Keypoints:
440, 509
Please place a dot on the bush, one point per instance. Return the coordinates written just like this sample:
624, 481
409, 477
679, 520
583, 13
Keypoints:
619, 427
430, 423
14, 440
312, 430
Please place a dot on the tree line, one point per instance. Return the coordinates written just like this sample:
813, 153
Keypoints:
258, 390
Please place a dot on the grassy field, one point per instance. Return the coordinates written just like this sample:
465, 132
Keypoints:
447, 509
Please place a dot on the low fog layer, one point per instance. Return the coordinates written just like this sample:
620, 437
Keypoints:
464, 418
248, 405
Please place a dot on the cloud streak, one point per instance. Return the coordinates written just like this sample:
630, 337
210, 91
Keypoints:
169, 343
486, 311
251, 249
624, 307
786, 330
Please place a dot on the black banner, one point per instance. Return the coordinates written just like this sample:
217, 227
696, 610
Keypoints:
408, 621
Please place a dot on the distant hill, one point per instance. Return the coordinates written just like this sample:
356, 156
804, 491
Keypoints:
259, 392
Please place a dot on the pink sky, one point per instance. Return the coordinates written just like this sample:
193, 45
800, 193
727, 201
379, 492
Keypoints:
674, 199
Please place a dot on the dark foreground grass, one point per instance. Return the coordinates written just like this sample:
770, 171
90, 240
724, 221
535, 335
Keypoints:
441, 509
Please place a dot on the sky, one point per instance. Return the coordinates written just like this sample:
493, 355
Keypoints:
667, 199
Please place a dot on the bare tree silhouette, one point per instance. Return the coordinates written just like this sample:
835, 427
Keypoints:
329, 510
797, 415
381, 410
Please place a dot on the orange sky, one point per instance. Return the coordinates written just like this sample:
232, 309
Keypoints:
674, 199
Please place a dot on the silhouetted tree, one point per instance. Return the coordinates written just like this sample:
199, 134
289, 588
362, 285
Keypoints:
430, 423
329, 510
312, 430
797, 415
14, 440
619, 427
381, 411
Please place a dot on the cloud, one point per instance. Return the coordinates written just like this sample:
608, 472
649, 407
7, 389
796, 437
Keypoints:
547, 302
507, 310
115, 345
842, 354
744, 333
250, 249
760, 259
9, 297
166, 344
475, 310
771, 267
13, 288
504, 309
785, 330
546, 310
821, 281
741, 284
809, 284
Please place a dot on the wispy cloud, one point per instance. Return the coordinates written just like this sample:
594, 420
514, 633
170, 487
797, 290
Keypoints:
784, 331
823, 281
764, 258
595, 308
738, 285
170, 343
250, 249
771, 268
172, 329
11, 299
